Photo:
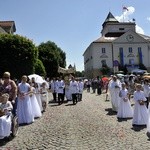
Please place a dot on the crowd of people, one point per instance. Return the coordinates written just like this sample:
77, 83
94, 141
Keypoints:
122, 90
28, 99
129, 96
71, 88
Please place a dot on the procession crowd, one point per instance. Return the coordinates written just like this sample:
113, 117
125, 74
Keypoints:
29, 99
122, 90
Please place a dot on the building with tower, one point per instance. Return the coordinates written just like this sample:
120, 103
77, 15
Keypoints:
119, 44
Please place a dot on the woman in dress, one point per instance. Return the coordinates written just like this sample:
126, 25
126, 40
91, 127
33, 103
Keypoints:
5, 119
35, 106
140, 115
125, 110
44, 96
24, 107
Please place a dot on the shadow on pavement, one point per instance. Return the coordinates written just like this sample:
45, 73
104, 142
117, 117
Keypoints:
5, 141
138, 128
123, 119
55, 105
70, 104
110, 112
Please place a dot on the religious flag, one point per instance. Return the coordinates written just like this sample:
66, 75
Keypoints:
125, 8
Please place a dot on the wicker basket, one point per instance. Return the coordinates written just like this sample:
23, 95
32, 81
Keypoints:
141, 102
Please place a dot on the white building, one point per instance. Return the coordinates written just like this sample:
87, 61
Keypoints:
118, 44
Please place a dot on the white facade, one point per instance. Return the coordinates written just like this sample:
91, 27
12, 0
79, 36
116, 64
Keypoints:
119, 42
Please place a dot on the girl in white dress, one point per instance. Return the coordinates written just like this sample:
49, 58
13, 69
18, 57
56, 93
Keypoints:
125, 110
44, 95
35, 106
24, 107
5, 119
140, 116
38, 95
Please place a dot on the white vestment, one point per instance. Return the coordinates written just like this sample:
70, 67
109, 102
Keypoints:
140, 116
114, 88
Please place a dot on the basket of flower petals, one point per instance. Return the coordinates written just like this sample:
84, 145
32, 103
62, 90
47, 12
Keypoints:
141, 102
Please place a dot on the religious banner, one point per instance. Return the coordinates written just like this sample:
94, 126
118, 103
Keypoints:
66, 71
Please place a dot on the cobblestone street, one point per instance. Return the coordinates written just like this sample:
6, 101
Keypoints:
89, 125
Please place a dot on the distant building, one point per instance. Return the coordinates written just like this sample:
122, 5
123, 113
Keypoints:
7, 27
119, 44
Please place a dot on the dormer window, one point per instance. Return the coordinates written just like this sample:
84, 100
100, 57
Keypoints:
121, 29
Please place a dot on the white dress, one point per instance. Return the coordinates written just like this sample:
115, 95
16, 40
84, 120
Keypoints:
24, 107
38, 97
35, 106
114, 92
125, 110
140, 116
44, 95
5, 122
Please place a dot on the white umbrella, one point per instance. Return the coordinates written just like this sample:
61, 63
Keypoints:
38, 79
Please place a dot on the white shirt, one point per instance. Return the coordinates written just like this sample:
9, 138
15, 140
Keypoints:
60, 86
74, 87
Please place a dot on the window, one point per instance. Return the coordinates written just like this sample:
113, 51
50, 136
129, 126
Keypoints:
103, 62
103, 50
130, 49
121, 28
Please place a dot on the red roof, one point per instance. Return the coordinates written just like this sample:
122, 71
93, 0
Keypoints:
8, 25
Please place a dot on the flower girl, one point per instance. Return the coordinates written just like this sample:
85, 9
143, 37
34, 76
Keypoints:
34, 103
5, 117
140, 116
125, 110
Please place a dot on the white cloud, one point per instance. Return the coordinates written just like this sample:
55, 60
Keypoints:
148, 18
125, 17
139, 29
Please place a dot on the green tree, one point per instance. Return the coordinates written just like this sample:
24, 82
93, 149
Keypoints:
39, 68
52, 57
17, 55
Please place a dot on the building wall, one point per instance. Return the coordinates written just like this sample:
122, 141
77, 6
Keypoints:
117, 28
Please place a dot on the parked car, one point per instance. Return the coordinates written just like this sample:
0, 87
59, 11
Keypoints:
138, 71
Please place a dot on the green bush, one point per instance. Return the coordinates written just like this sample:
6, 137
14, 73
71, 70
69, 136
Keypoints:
39, 68
105, 70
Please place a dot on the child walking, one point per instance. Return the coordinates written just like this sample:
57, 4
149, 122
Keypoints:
5, 119
140, 116
125, 110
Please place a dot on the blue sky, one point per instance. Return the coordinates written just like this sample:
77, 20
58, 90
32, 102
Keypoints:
71, 24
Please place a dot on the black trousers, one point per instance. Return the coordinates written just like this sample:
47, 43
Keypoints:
54, 96
79, 96
74, 98
60, 98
